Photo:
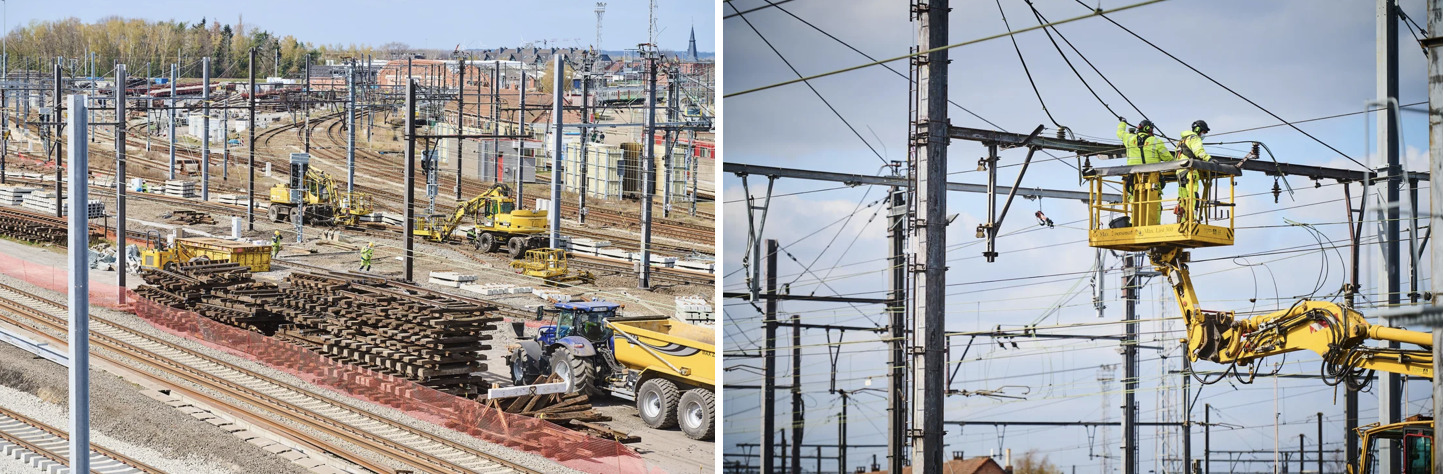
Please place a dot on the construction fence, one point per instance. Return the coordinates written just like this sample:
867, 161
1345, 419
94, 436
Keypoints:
487, 423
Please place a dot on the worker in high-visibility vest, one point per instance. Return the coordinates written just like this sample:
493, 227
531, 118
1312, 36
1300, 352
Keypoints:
1190, 146
366, 253
1142, 147
276, 244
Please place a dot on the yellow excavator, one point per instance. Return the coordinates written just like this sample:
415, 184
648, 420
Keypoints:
1206, 219
497, 222
326, 203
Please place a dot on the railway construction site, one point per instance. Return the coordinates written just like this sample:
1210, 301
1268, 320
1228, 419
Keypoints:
426, 263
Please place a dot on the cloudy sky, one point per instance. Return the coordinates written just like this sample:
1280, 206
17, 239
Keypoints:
1299, 59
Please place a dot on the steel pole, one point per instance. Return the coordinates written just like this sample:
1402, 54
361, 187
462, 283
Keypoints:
897, 397
4, 129
496, 123
585, 136
206, 128
79, 292
554, 213
251, 131
930, 173
171, 175
410, 174
1387, 86
797, 415
667, 142
769, 363
460, 120
350, 129
649, 165
520, 129
306, 92
120, 185
1130, 365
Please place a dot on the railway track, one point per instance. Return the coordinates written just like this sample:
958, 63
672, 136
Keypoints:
49, 447
259, 397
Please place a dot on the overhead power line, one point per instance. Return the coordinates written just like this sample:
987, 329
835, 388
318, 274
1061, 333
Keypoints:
940, 48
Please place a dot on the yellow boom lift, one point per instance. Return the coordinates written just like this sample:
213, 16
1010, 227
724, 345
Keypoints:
497, 222
326, 202
1334, 332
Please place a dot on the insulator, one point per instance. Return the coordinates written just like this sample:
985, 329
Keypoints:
1277, 191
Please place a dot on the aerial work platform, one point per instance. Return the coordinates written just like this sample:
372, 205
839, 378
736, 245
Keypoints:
1148, 219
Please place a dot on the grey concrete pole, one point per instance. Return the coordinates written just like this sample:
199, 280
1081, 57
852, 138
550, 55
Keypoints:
410, 174
554, 214
206, 129
1387, 87
251, 131
460, 119
1436, 155
670, 137
495, 120
59, 169
120, 185
5, 129
172, 121
649, 165
585, 136
929, 192
520, 129
350, 129
79, 292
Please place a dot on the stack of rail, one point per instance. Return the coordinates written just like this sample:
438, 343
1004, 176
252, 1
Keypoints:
427, 337
34, 227
224, 292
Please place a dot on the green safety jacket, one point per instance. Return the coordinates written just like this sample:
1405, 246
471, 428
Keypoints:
1151, 150
366, 254
1190, 145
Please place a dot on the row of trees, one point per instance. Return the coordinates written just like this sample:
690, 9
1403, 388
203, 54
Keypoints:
142, 44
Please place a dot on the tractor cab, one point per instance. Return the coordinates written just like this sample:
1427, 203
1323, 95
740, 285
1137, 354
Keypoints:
585, 319
1150, 216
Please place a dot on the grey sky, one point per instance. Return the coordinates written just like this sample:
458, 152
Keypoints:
1299, 59
474, 24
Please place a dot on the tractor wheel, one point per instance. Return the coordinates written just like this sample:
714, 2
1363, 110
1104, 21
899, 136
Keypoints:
578, 372
523, 371
657, 403
515, 247
486, 242
695, 414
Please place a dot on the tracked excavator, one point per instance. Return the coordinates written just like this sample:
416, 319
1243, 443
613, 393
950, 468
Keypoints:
497, 221
1335, 332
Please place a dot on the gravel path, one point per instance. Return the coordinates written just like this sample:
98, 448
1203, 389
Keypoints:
125, 420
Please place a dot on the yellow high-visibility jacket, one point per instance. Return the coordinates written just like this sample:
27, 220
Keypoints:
1151, 150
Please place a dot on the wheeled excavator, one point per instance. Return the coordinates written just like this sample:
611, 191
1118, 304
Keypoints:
1335, 332
497, 223
325, 202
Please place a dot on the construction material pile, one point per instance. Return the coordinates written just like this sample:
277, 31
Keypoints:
182, 216
431, 338
34, 227
224, 292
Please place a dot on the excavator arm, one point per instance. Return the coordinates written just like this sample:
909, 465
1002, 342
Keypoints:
1332, 331
472, 206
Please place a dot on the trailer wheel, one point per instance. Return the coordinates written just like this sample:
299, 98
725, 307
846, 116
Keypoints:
515, 247
695, 414
486, 242
523, 371
657, 403
578, 372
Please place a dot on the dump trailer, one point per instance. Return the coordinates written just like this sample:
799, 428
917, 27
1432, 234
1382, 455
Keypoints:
666, 366
204, 249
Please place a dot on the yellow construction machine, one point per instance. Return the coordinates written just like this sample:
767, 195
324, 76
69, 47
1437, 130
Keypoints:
1335, 332
497, 222
551, 266
325, 202
157, 254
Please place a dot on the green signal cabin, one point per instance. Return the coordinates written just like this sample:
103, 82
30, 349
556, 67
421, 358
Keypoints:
1150, 217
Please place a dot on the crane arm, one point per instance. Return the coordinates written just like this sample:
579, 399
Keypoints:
1334, 332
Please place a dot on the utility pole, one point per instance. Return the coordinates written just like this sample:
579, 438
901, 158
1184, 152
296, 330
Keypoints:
251, 131
649, 169
1321, 443
120, 184
585, 137
1301, 453
897, 398
4, 124
796, 394
520, 130
669, 138
172, 122
1436, 155
1387, 85
206, 128
1187, 417
59, 169
461, 120
79, 292
410, 174
1130, 365
929, 136
351, 128
306, 103
1351, 397
554, 211
769, 362
496, 121
1207, 430
841, 436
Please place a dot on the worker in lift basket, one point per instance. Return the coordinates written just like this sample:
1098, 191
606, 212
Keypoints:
366, 256
276, 244
1142, 147
1190, 146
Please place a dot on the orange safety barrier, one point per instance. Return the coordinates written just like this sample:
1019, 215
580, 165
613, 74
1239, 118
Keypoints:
569, 448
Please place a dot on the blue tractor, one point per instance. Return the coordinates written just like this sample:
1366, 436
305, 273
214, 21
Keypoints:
577, 346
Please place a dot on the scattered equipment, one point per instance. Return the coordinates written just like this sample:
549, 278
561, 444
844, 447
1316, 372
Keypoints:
551, 266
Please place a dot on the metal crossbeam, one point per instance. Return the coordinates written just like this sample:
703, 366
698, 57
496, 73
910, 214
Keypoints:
742, 169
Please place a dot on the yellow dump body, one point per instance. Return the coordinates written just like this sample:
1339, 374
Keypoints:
690, 349
258, 257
